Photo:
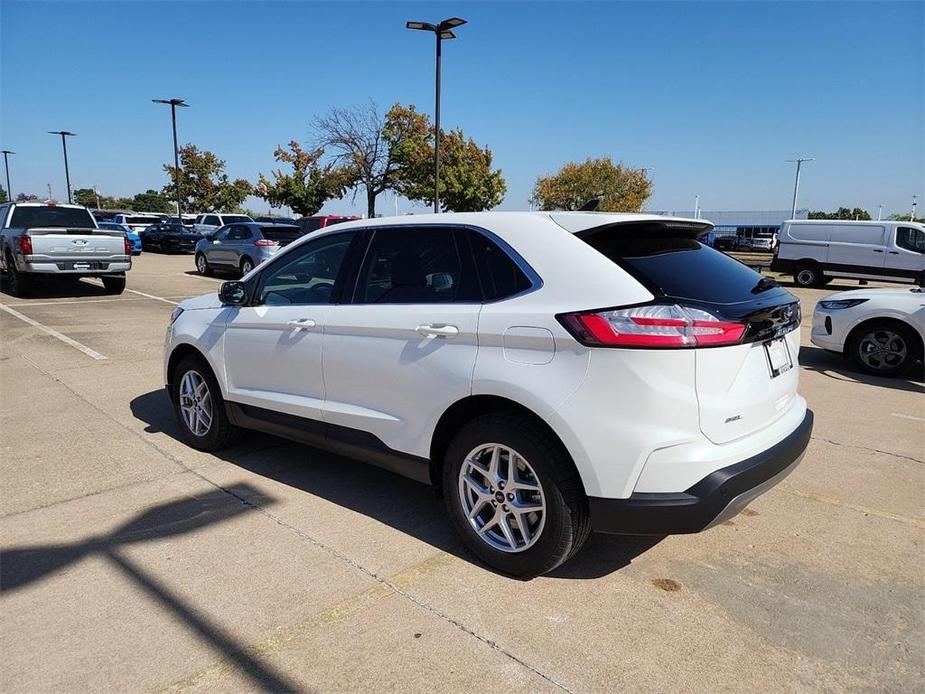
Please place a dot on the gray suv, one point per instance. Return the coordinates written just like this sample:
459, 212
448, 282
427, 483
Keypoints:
243, 246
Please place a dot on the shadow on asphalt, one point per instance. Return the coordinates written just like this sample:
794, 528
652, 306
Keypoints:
843, 369
25, 565
407, 506
46, 288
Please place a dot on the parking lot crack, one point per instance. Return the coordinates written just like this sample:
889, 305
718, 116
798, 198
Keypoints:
867, 448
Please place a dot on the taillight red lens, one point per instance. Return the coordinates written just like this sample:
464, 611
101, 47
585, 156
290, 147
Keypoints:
653, 325
25, 245
265, 242
128, 245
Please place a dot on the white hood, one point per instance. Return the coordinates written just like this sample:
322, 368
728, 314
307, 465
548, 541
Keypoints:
204, 301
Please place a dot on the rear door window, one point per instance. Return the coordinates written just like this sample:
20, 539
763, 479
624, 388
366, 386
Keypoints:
911, 239
675, 265
416, 266
499, 273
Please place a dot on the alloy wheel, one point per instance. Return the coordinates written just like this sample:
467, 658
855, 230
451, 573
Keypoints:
882, 349
502, 497
201, 264
195, 403
246, 266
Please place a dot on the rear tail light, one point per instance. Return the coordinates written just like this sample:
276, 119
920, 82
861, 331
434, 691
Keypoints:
25, 245
128, 245
265, 242
652, 326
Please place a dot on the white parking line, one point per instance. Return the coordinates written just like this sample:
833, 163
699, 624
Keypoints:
93, 354
908, 416
151, 296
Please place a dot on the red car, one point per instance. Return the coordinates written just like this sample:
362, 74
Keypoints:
310, 224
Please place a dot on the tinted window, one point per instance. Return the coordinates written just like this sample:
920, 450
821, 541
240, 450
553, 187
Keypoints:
141, 220
306, 276
281, 233
230, 218
311, 224
221, 234
415, 266
499, 273
239, 232
676, 266
911, 239
59, 217
211, 219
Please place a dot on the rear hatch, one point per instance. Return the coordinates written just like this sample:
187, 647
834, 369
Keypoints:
281, 235
741, 388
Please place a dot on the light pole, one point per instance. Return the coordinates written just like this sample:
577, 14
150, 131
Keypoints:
796, 184
441, 31
696, 207
915, 202
879, 212
6, 163
67, 174
176, 152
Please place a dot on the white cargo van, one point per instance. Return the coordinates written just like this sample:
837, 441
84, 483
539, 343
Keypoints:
816, 251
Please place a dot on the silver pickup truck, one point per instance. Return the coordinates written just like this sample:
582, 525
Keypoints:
61, 241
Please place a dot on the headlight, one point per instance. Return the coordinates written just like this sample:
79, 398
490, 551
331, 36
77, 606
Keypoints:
840, 303
175, 314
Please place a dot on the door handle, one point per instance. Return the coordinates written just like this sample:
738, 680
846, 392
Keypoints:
301, 324
438, 330
894, 252
877, 250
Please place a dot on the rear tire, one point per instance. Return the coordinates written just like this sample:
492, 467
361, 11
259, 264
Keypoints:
883, 348
202, 265
246, 265
199, 406
808, 275
18, 284
541, 541
114, 284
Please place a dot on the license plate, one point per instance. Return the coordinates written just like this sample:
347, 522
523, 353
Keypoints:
81, 266
778, 356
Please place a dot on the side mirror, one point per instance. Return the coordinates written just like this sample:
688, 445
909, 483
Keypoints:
233, 293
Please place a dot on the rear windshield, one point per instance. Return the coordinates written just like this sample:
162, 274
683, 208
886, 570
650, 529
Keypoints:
142, 220
311, 224
63, 217
280, 233
677, 266
231, 218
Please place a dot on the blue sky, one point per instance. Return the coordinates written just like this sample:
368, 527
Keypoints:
715, 96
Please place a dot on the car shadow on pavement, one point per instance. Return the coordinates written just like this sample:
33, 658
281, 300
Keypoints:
58, 289
25, 565
407, 506
843, 369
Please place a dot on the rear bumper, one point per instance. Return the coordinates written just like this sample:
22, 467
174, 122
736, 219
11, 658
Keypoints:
88, 266
714, 499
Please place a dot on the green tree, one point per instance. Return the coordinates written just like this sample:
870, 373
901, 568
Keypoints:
87, 197
309, 185
620, 188
204, 184
151, 201
3, 195
121, 204
26, 197
906, 217
467, 181
841, 213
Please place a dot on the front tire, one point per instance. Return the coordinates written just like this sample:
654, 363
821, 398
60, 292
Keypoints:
883, 348
114, 284
514, 496
199, 406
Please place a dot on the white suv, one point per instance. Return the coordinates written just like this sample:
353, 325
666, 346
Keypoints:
551, 373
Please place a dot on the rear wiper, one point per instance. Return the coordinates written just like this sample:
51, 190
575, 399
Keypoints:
764, 284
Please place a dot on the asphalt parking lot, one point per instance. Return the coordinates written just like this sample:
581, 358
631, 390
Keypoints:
131, 562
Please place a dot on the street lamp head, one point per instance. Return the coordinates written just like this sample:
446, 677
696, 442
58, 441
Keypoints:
6, 151
447, 35
422, 26
63, 133
452, 23
171, 102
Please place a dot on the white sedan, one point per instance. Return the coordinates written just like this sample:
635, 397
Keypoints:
882, 330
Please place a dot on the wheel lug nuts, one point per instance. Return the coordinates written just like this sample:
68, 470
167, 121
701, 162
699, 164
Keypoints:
494, 503
510, 497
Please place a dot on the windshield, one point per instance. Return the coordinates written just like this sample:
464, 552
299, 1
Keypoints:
58, 217
231, 218
142, 220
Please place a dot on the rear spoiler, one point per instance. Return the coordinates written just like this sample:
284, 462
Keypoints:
667, 227
72, 231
